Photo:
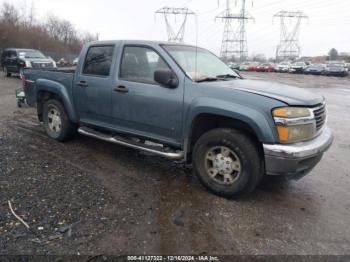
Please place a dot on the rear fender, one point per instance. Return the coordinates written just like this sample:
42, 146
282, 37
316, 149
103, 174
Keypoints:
44, 85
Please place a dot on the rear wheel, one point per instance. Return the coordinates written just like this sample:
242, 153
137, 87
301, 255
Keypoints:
56, 121
227, 162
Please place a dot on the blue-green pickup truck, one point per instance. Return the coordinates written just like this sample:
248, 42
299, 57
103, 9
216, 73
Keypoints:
184, 103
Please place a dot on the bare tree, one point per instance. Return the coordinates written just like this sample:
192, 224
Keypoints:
9, 14
19, 28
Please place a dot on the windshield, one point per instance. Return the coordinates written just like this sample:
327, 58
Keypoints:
31, 54
207, 66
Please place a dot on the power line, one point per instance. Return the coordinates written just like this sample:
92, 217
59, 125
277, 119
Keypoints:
234, 42
175, 35
289, 47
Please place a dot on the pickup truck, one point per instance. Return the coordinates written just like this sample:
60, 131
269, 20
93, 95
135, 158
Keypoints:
183, 103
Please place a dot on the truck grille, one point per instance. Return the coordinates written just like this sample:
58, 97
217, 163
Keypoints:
42, 65
320, 116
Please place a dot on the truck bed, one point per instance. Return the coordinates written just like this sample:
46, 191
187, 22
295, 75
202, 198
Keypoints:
35, 77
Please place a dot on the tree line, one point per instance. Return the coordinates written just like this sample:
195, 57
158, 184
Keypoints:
20, 28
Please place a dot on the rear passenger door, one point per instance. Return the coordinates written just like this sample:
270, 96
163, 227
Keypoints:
93, 85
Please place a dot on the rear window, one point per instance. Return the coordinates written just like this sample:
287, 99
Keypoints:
99, 60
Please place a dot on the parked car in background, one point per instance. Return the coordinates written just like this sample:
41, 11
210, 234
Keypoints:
14, 60
75, 61
253, 66
265, 67
315, 69
336, 69
298, 67
62, 62
244, 66
234, 66
233, 130
283, 67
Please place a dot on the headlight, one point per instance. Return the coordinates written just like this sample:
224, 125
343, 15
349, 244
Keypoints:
294, 124
293, 134
291, 112
28, 64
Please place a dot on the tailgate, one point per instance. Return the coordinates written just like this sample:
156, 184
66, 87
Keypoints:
29, 88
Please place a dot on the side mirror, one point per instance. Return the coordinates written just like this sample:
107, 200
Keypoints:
166, 77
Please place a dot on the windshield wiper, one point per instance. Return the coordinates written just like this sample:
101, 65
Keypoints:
226, 76
207, 79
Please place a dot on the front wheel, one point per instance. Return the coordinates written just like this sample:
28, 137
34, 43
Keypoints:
6, 72
56, 121
227, 162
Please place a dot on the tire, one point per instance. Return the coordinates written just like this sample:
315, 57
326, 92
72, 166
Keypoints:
6, 72
56, 121
244, 155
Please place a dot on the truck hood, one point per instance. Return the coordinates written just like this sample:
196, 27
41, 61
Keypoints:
290, 95
39, 60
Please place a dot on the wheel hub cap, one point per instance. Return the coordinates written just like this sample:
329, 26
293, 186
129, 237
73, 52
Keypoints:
54, 120
223, 165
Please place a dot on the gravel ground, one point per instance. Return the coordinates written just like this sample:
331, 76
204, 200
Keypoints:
89, 197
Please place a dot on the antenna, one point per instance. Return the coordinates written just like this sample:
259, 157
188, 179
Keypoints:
289, 48
175, 36
234, 42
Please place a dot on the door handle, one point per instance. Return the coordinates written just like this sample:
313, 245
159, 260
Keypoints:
121, 89
82, 84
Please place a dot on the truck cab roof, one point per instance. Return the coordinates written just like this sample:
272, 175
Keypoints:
136, 42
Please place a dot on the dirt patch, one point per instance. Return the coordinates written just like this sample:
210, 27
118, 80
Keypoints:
64, 206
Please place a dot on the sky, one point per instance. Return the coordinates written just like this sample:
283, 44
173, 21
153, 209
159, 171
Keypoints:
328, 25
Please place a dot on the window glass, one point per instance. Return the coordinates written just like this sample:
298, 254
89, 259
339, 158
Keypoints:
139, 64
198, 63
31, 54
98, 60
13, 54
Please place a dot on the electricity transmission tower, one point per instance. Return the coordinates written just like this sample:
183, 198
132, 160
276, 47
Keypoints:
173, 34
289, 48
234, 42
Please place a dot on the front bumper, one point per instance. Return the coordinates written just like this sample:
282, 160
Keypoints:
336, 73
297, 70
296, 160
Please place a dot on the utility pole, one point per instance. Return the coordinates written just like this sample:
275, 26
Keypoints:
234, 42
173, 34
289, 48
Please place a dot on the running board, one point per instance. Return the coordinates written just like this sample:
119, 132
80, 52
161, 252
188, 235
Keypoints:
174, 155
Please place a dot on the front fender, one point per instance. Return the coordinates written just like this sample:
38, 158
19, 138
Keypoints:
258, 119
61, 91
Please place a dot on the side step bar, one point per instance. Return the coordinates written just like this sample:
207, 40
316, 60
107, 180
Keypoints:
174, 155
